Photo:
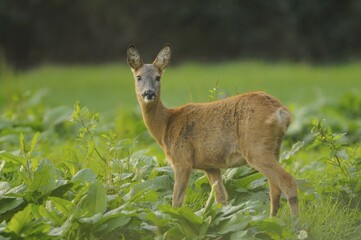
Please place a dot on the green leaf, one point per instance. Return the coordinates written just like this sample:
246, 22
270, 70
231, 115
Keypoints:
95, 200
20, 220
157, 220
270, 225
44, 177
64, 206
33, 144
112, 223
200, 181
246, 181
22, 144
188, 214
84, 175
51, 214
61, 231
174, 233
8, 157
91, 220
237, 222
60, 190
157, 183
8, 204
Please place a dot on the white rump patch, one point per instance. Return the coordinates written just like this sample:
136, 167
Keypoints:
280, 115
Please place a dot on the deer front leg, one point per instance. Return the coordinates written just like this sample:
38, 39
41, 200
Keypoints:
215, 180
181, 178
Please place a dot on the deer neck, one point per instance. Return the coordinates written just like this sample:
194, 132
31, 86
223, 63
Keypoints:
155, 116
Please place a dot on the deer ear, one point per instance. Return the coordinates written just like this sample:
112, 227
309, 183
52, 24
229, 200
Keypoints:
163, 58
133, 58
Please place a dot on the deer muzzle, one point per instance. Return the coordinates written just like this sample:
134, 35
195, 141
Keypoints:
148, 96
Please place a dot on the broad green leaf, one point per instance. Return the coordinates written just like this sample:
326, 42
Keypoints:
270, 225
157, 183
237, 222
246, 181
157, 220
205, 226
165, 208
50, 214
20, 220
240, 235
84, 175
44, 177
61, 231
8, 204
190, 216
91, 220
113, 223
200, 181
64, 206
95, 200
60, 190
8, 157
174, 233
190, 230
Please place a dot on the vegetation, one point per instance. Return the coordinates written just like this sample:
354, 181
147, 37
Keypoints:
71, 172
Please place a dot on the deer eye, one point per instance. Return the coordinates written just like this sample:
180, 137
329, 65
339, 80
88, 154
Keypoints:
157, 78
139, 78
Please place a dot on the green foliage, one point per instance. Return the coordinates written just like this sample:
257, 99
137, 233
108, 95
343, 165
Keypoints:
346, 162
75, 174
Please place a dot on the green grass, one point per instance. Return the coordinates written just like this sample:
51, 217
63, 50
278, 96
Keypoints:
105, 88
324, 220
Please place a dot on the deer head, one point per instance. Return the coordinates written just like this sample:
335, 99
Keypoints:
147, 76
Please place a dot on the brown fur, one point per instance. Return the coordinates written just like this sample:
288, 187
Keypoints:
247, 128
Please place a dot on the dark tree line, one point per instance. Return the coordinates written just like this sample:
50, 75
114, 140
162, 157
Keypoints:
68, 31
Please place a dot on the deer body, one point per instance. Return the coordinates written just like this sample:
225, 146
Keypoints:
247, 128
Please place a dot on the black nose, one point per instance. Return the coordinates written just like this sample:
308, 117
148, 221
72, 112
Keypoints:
149, 94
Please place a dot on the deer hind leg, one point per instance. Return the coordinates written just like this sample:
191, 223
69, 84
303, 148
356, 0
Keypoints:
279, 179
275, 195
215, 180
181, 178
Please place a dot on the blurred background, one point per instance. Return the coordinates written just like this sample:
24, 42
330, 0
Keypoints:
98, 31
68, 50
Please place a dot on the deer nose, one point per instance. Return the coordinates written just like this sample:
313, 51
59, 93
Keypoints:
149, 95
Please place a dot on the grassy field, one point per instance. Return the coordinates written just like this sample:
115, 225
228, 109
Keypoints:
90, 170
109, 87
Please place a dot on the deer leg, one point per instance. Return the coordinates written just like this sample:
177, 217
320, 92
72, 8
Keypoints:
275, 195
276, 175
215, 180
181, 178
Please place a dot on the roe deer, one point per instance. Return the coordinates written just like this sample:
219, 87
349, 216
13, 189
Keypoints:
247, 128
